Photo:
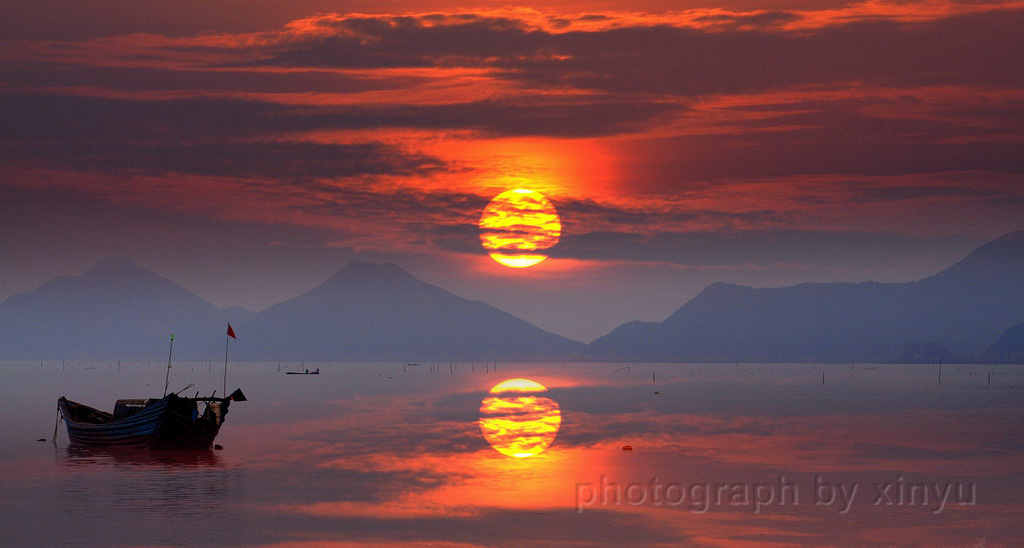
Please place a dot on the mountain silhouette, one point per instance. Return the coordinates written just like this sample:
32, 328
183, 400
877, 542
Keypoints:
379, 311
964, 308
1008, 348
118, 310
115, 310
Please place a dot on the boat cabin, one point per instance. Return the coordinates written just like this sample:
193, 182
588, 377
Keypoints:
127, 408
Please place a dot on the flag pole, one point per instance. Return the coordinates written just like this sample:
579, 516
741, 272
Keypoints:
167, 378
226, 337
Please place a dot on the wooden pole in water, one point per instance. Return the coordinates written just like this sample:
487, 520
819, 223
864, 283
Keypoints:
167, 377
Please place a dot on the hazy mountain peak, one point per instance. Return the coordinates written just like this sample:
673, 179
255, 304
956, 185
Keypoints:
113, 264
120, 274
381, 311
1015, 236
1000, 257
961, 309
378, 273
115, 309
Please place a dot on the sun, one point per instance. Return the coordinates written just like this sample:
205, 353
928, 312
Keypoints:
518, 226
516, 420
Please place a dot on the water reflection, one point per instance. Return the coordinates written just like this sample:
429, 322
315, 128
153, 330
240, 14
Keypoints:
78, 455
166, 496
516, 420
763, 455
722, 455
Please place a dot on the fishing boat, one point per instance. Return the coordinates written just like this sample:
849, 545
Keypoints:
169, 422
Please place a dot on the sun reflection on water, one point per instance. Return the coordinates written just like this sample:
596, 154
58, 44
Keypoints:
516, 420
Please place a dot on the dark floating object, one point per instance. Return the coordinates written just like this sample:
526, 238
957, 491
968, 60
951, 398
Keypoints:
218, 447
41, 439
627, 447
657, 392
171, 422
306, 372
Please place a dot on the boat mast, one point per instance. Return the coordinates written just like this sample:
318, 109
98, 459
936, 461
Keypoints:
167, 378
226, 339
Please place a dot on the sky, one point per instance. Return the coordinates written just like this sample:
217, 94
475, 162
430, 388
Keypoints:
249, 149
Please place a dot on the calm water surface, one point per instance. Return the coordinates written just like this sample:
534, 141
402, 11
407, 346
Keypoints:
722, 455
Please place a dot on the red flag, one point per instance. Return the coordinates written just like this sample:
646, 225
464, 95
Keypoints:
231, 332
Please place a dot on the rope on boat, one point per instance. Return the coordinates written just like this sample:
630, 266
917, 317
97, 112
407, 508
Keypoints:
56, 424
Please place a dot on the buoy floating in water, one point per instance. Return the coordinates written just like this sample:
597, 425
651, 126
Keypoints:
627, 447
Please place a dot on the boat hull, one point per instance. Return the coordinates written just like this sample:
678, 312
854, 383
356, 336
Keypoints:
170, 422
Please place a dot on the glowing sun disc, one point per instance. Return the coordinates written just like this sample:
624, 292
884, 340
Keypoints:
517, 226
517, 420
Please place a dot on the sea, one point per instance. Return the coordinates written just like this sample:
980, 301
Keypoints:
707, 454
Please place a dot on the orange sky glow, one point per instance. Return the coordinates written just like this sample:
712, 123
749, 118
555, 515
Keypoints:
668, 136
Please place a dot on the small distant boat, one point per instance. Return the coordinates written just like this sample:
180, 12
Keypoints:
306, 372
171, 422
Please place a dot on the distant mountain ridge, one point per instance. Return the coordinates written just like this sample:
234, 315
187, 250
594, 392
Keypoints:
115, 310
118, 310
964, 308
379, 311
366, 311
